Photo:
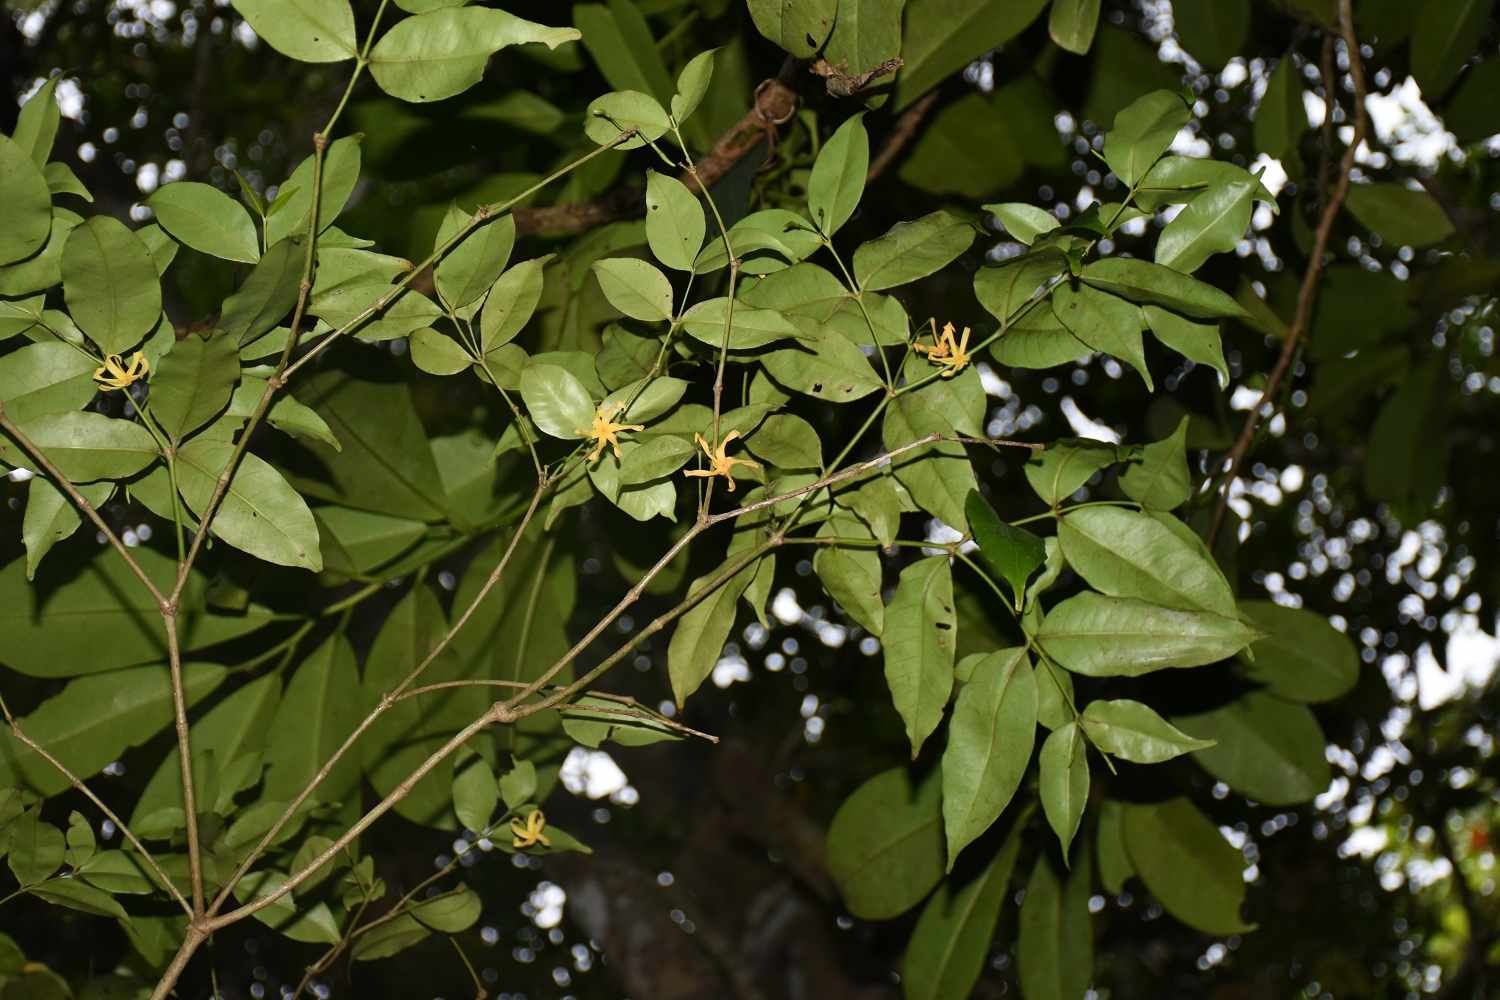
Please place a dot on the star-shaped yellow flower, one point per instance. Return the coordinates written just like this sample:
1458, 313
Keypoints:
119, 376
947, 351
723, 465
604, 429
530, 833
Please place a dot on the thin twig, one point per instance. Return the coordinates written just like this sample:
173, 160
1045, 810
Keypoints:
1314, 273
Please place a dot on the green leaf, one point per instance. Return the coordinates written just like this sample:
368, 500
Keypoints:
51, 516
675, 224
102, 618
341, 162
1443, 37
1177, 180
193, 382
1186, 864
519, 785
260, 512
557, 401
1113, 860
389, 939
1039, 340
1014, 553
1066, 464
655, 398
838, 176
267, 295
865, 36
943, 36
443, 52
947, 949
36, 125
97, 718
1143, 281
307, 30
921, 633
968, 149
206, 219
1023, 221
1159, 479
403, 311
877, 505
1213, 30
787, 442
1064, 781
608, 116
846, 575
1267, 750
591, 728
1124, 553
234, 731
28, 204
660, 456
885, 844
475, 795
990, 740
702, 632
692, 84
384, 465
316, 715
84, 446
635, 288
1141, 133
49, 377
1303, 658
1104, 322
1399, 214
77, 894
829, 367
1214, 222
110, 283
357, 541
793, 234
1055, 949
1134, 732
760, 253
470, 268
1007, 289
911, 250
620, 40
799, 27
36, 848
1198, 342
451, 912
1472, 114
938, 475
437, 353
749, 327
511, 302
1108, 637
1281, 119
1072, 26
116, 872
62, 180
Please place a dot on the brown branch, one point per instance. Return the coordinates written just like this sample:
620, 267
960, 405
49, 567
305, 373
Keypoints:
775, 103
1315, 265
839, 83
906, 127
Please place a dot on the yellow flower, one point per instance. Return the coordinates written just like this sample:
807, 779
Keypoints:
946, 351
530, 833
723, 465
604, 429
119, 376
